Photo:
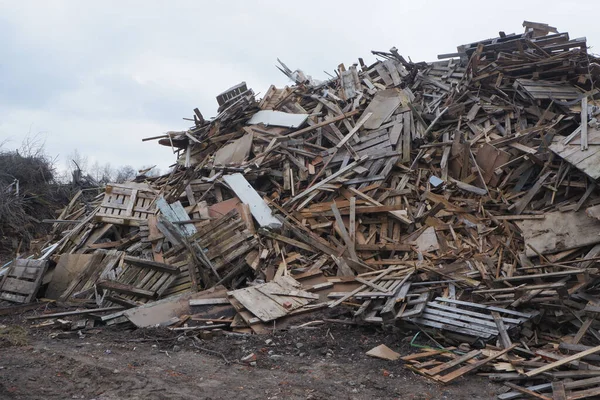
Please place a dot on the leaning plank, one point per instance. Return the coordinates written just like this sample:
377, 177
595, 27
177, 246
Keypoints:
259, 209
563, 361
458, 360
151, 264
522, 203
175, 213
504, 338
358, 125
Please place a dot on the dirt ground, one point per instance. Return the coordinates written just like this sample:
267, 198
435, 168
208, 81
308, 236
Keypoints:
321, 362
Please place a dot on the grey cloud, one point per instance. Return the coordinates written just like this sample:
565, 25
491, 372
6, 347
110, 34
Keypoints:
99, 76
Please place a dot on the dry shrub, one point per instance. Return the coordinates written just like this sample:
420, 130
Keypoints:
38, 197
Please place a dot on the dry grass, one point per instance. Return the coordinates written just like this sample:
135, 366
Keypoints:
12, 335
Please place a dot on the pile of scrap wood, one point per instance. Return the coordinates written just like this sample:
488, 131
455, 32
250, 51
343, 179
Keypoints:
456, 197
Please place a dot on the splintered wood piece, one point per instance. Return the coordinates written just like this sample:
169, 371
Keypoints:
558, 391
504, 338
383, 352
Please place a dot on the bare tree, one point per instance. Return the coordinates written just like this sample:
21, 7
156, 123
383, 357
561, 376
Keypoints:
77, 165
150, 171
124, 174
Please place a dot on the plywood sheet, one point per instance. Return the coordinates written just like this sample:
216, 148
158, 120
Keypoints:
559, 231
68, 268
382, 106
234, 153
274, 299
587, 161
161, 311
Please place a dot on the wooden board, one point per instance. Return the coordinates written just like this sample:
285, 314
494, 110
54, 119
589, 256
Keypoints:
22, 280
559, 231
260, 210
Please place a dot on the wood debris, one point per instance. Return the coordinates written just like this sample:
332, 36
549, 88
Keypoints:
455, 197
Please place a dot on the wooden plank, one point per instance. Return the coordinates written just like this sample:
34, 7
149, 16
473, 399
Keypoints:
246, 193
352, 220
558, 391
125, 289
157, 312
504, 338
343, 232
175, 213
151, 264
77, 312
450, 364
18, 286
527, 391
209, 301
563, 361
522, 203
287, 240
266, 301
358, 125
587, 161
584, 394
582, 330
584, 123
319, 125
327, 180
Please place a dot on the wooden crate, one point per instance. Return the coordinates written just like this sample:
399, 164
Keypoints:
22, 281
127, 204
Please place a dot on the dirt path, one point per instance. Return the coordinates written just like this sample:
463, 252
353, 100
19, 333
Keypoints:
322, 363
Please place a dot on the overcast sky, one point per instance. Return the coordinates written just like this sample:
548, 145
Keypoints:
100, 76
